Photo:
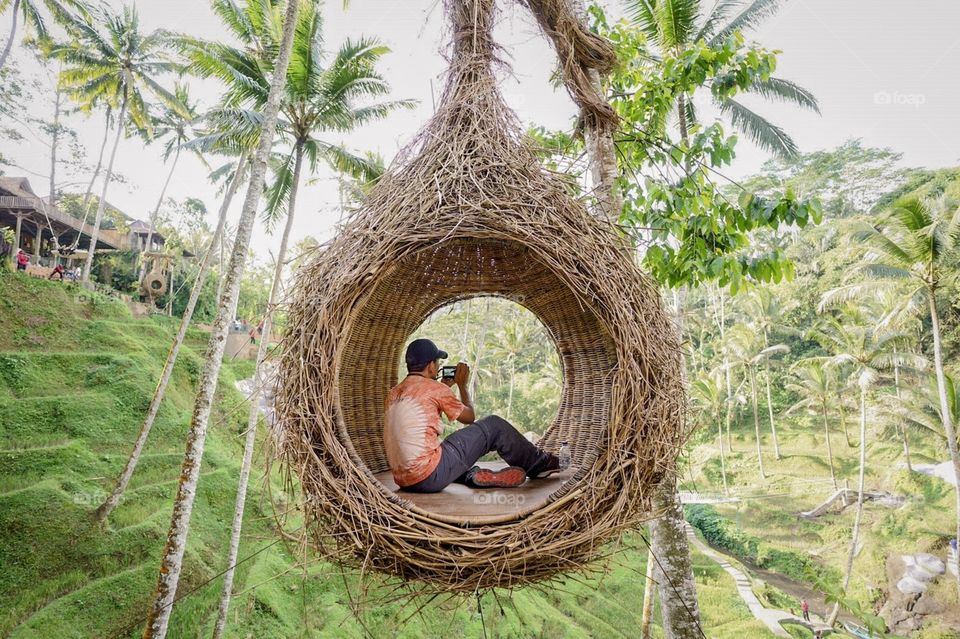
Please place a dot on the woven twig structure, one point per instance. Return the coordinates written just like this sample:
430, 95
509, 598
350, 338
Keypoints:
467, 211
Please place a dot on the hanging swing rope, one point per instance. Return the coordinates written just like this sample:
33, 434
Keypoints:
70, 249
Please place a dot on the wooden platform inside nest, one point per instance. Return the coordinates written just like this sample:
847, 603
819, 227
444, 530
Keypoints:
482, 505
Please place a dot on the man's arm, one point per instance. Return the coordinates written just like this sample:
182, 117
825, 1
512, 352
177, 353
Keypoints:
467, 415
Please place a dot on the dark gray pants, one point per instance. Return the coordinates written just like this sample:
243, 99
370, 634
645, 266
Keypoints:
461, 450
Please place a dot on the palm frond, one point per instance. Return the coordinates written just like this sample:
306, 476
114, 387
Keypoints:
643, 13
759, 130
676, 20
780, 90
339, 159
720, 12
748, 19
851, 292
278, 191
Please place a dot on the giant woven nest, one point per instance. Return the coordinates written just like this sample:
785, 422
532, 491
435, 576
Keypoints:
468, 211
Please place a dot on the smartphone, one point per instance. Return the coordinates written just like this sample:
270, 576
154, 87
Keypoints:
447, 372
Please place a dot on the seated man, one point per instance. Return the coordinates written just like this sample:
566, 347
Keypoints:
421, 462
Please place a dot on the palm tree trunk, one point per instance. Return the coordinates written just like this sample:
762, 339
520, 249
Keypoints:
843, 420
171, 292
38, 237
946, 412
16, 241
98, 218
647, 614
172, 561
684, 132
13, 33
900, 424
667, 536
773, 426
602, 160
220, 267
510, 392
96, 170
726, 369
54, 139
103, 512
756, 419
481, 343
156, 212
826, 433
723, 462
729, 413
855, 537
679, 612
252, 418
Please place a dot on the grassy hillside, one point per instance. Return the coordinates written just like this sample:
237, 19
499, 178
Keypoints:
800, 481
76, 374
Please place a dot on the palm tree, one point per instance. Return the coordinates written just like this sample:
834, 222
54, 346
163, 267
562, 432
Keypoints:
61, 11
720, 318
814, 383
763, 311
709, 393
104, 510
921, 408
114, 65
870, 352
174, 123
748, 352
916, 246
318, 99
674, 25
508, 344
172, 561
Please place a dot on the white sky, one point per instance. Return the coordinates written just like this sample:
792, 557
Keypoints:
883, 70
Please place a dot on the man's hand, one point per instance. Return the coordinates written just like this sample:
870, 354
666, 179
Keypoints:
447, 381
461, 375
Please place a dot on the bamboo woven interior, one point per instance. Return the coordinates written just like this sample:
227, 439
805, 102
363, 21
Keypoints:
428, 279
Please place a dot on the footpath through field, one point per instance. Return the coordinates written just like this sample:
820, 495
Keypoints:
771, 617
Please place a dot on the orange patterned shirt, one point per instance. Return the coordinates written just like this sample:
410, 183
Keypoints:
412, 428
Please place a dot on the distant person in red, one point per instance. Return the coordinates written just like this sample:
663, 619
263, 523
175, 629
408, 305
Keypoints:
256, 331
23, 260
805, 609
58, 270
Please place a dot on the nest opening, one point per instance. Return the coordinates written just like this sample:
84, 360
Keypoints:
426, 280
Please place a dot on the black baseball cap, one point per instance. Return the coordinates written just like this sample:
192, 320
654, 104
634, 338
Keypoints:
421, 352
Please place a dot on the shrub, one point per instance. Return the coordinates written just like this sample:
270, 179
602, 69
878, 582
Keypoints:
722, 533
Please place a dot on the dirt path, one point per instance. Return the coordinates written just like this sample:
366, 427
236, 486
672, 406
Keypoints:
800, 591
